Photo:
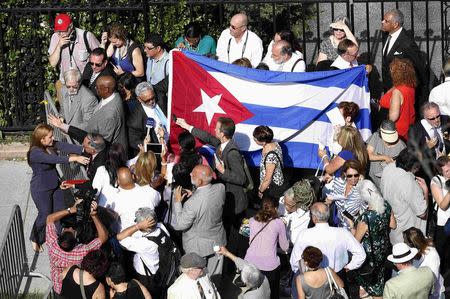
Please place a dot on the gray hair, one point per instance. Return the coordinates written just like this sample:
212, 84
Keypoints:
72, 75
289, 193
322, 216
251, 276
428, 106
372, 196
397, 16
142, 87
96, 141
144, 214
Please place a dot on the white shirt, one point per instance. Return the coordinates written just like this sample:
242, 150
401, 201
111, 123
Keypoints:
107, 194
146, 250
430, 131
186, 288
288, 65
296, 222
442, 216
432, 260
394, 37
129, 201
342, 64
250, 46
334, 242
441, 96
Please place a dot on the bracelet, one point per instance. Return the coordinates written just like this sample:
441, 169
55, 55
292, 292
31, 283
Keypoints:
163, 163
68, 210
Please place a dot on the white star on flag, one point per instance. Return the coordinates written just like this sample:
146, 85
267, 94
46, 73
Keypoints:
210, 106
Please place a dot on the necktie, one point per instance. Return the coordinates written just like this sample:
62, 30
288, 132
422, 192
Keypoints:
94, 75
440, 143
200, 290
386, 50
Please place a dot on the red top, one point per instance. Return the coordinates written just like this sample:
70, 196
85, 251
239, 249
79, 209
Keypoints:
407, 112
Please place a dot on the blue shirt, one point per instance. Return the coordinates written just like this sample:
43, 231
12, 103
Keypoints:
155, 69
206, 45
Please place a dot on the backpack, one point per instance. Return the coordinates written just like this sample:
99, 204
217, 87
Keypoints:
86, 42
169, 261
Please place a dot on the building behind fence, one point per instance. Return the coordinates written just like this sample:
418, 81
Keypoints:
25, 34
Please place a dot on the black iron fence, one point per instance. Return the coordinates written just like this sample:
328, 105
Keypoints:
25, 30
13, 259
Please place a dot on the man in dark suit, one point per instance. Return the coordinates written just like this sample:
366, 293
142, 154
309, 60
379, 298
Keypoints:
429, 136
400, 44
136, 122
98, 66
94, 145
108, 118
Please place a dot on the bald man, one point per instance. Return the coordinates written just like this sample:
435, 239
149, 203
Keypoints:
237, 42
285, 58
131, 197
108, 118
200, 218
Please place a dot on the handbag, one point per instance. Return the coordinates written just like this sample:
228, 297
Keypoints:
83, 293
274, 190
336, 291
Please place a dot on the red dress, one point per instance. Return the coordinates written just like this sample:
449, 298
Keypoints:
407, 113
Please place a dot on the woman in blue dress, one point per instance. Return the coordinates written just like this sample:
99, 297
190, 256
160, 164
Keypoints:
42, 158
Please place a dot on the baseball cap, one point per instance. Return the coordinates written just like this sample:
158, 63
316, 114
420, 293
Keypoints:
388, 131
62, 22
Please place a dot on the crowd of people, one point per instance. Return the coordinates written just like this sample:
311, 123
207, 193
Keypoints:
148, 223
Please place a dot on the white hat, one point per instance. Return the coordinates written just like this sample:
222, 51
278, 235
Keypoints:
402, 253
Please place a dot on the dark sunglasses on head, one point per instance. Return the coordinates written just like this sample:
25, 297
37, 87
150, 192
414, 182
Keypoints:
433, 118
336, 29
349, 176
96, 64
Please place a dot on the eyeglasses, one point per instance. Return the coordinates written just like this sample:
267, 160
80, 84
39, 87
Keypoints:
72, 86
148, 48
96, 64
236, 27
349, 176
340, 30
434, 118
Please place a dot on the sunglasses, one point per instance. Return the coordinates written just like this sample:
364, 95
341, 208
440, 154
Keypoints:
340, 30
349, 176
236, 27
96, 64
433, 118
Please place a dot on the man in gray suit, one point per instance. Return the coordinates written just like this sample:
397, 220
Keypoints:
411, 282
108, 119
200, 218
78, 102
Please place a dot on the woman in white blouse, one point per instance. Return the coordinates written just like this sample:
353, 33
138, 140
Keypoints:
441, 198
426, 257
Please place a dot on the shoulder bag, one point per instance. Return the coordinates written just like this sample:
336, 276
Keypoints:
275, 191
336, 291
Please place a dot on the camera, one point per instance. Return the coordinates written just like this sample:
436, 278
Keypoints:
84, 208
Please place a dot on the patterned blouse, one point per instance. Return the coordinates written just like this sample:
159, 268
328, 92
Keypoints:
326, 47
271, 158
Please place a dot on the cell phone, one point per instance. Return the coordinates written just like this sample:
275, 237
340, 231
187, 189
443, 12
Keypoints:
154, 147
75, 182
174, 117
349, 216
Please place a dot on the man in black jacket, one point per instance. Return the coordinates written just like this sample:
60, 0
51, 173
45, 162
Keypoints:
98, 66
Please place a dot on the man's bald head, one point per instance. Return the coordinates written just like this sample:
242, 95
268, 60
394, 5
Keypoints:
201, 175
238, 25
105, 85
320, 212
125, 178
281, 51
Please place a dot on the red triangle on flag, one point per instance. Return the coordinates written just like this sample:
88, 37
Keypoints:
192, 86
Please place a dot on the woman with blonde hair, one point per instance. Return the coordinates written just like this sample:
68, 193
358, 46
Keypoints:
399, 100
42, 157
353, 148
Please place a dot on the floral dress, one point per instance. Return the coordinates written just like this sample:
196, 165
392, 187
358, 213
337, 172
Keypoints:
271, 158
379, 228
326, 47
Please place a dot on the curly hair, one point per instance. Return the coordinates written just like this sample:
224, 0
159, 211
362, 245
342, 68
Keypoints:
268, 211
312, 256
349, 109
402, 72
96, 263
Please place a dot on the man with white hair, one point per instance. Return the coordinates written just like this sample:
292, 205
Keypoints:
200, 218
78, 102
285, 58
147, 109
193, 283
411, 282
136, 238
237, 42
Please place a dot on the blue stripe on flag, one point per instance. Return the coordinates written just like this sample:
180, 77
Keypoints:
338, 78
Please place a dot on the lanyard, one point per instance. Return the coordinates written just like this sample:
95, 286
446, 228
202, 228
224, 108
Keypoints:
71, 48
243, 47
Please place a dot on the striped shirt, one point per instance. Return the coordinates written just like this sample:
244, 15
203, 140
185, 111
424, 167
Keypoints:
351, 203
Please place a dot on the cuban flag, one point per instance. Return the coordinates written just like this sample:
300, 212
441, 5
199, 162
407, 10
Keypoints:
293, 105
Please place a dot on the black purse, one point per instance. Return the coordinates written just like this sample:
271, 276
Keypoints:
274, 190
